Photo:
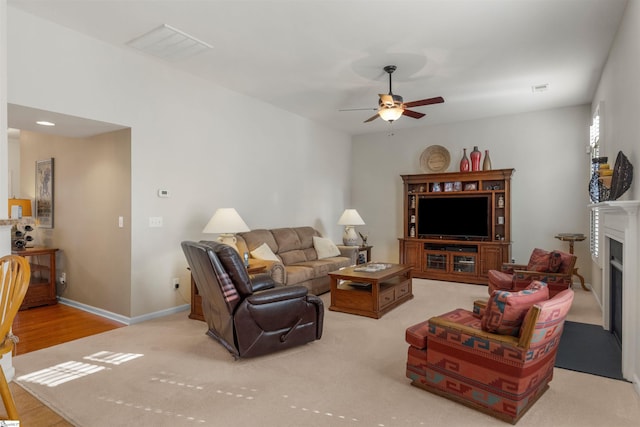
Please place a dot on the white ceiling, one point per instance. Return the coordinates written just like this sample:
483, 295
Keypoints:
314, 58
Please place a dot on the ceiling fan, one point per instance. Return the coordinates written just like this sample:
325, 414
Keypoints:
391, 107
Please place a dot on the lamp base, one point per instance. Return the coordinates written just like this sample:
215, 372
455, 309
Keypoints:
349, 237
228, 239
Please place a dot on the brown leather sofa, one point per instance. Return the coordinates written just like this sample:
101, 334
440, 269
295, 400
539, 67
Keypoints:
250, 315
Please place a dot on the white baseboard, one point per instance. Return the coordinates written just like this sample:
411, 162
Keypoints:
120, 318
161, 313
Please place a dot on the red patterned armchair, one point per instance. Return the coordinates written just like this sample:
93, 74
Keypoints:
502, 373
554, 268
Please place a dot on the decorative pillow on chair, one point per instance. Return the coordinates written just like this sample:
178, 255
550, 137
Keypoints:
539, 261
264, 253
325, 248
555, 262
506, 310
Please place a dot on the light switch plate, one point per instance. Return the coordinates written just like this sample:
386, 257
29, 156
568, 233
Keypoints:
155, 221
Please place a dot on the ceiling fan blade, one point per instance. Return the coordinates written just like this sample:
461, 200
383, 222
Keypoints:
413, 114
386, 100
358, 109
372, 118
428, 101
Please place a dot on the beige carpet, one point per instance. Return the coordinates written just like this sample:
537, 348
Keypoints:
167, 372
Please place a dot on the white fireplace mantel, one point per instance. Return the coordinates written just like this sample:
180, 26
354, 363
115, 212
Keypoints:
619, 221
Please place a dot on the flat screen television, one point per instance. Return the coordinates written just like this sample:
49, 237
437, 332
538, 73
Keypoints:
455, 217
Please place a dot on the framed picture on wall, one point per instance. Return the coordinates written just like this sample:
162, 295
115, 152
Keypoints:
44, 193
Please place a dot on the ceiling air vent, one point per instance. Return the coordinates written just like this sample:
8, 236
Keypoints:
540, 88
169, 43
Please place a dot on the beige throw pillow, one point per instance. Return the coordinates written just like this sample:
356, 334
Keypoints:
264, 253
325, 248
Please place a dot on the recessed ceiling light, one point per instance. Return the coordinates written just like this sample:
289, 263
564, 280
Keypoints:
45, 123
540, 88
168, 42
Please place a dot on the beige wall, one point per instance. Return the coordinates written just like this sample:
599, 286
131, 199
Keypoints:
276, 168
92, 187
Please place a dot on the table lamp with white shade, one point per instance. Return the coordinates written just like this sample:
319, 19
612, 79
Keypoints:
349, 219
226, 222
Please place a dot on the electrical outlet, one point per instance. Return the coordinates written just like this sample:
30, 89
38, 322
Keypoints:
63, 278
175, 283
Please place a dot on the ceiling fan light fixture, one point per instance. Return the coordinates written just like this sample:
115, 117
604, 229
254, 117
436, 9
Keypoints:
390, 113
391, 106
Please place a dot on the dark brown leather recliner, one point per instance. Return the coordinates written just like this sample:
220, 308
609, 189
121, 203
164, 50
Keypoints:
250, 315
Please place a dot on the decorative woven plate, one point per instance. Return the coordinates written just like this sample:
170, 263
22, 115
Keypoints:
622, 176
435, 158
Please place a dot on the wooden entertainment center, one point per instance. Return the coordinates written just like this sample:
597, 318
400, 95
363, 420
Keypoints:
457, 257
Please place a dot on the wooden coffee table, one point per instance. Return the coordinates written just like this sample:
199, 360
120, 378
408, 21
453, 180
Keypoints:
370, 294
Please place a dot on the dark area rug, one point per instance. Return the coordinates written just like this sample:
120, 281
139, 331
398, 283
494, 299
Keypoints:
590, 349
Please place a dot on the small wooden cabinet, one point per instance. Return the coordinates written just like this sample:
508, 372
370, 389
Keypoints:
453, 257
451, 262
42, 286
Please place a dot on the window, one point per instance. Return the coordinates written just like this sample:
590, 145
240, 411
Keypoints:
594, 144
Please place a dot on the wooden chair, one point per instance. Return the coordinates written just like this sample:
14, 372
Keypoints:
16, 274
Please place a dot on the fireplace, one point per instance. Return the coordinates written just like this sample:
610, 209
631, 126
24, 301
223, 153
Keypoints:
619, 299
615, 289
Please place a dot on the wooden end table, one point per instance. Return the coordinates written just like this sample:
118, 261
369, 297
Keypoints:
370, 294
366, 251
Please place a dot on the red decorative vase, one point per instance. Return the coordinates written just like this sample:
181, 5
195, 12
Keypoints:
464, 163
475, 159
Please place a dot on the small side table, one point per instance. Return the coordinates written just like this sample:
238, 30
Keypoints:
367, 251
572, 238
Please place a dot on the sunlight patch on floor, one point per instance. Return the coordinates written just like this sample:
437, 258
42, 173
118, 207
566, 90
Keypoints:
112, 357
68, 371
62, 373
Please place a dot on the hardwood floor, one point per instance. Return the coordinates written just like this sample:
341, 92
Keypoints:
47, 326
42, 327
